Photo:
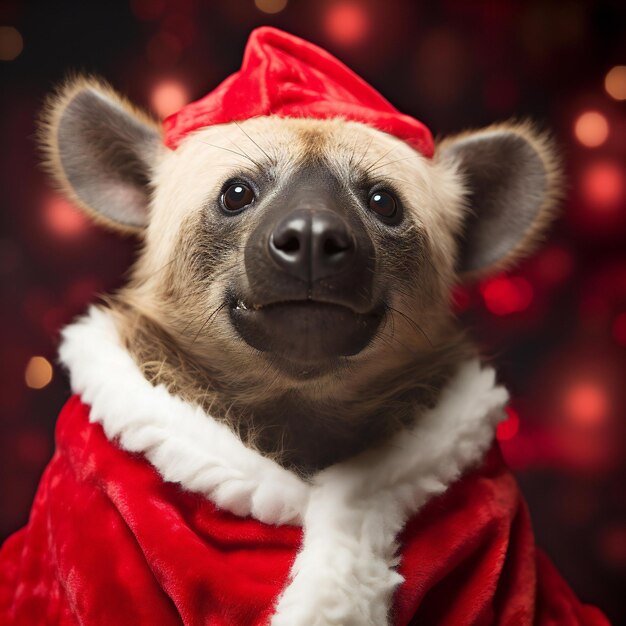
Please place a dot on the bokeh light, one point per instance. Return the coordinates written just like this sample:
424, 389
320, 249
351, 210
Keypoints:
586, 403
347, 23
602, 184
168, 96
591, 129
62, 217
615, 82
270, 6
11, 43
508, 428
504, 295
38, 372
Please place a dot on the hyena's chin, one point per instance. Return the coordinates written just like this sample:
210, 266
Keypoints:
305, 334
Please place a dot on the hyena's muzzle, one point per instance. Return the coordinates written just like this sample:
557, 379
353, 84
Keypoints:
308, 290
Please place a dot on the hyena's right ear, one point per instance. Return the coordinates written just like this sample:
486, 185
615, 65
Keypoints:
101, 151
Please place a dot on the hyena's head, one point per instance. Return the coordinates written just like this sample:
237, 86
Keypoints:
300, 257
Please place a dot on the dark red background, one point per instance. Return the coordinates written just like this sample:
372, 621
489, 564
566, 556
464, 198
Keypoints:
556, 327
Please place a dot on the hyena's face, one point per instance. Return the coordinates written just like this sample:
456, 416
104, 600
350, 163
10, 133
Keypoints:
300, 249
300, 245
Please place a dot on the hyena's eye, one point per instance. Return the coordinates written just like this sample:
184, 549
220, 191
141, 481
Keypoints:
236, 197
383, 203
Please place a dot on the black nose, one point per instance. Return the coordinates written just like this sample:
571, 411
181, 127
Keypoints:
311, 245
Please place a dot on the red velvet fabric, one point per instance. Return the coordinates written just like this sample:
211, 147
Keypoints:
286, 76
108, 542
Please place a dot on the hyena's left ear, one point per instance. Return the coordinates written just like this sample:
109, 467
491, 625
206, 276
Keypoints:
101, 151
513, 183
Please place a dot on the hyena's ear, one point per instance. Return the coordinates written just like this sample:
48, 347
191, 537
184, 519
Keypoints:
513, 182
101, 151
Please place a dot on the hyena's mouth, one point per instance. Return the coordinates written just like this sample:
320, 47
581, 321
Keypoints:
305, 330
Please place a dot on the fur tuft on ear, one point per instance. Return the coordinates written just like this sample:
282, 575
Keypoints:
100, 151
513, 181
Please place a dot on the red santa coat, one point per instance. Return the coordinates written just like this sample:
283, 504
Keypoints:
150, 513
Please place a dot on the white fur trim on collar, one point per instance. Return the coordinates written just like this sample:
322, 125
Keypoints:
351, 512
179, 439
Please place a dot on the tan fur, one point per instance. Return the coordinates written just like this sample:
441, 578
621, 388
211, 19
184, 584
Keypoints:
205, 363
171, 315
251, 415
431, 193
47, 135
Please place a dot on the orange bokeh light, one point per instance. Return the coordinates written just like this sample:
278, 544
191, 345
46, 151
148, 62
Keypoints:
62, 217
505, 295
270, 6
347, 23
586, 403
603, 184
591, 129
38, 372
11, 43
168, 96
615, 82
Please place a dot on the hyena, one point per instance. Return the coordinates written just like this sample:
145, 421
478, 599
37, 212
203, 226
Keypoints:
295, 274
278, 418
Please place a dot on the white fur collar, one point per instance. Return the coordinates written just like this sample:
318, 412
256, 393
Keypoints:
351, 512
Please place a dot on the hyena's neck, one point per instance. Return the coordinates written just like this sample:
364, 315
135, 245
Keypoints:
300, 433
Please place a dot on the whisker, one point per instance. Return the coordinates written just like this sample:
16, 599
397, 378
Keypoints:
414, 156
257, 163
367, 149
212, 316
413, 323
368, 169
152, 274
269, 158
241, 154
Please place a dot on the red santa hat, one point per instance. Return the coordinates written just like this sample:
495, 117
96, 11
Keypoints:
286, 76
